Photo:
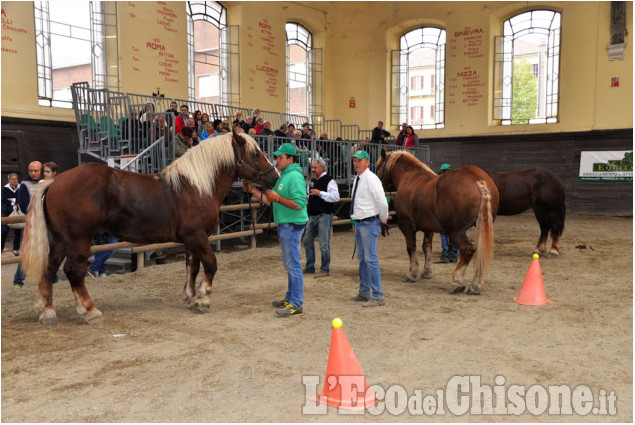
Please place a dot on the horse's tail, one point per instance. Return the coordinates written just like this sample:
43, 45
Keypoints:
484, 253
558, 226
35, 243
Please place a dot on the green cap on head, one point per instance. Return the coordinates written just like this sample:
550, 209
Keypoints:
446, 167
362, 154
286, 148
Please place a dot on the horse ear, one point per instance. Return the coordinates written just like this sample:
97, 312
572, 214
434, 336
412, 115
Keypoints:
238, 139
383, 154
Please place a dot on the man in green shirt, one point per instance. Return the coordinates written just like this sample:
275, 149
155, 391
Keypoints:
288, 198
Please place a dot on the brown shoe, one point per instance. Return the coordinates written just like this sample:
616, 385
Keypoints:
320, 274
360, 298
374, 303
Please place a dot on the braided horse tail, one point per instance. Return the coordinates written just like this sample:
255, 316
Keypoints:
35, 243
484, 239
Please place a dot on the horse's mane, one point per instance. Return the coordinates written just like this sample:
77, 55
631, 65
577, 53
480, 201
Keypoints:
393, 157
201, 165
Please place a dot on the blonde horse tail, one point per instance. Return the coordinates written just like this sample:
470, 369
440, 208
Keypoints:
484, 232
35, 242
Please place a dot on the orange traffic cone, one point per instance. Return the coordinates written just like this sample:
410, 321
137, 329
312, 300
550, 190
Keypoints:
345, 385
532, 291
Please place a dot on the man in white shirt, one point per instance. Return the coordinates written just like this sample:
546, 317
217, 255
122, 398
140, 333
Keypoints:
369, 208
323, 194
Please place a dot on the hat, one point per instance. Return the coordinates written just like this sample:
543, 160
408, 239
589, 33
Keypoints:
362, 154
446, 167
286, 148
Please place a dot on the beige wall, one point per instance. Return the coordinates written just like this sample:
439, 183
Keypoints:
356, 38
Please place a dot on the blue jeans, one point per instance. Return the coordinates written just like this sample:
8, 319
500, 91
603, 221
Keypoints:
448, 249
290, 236
366, 234
100, 258
318, 225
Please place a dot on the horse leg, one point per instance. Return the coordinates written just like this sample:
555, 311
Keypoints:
543, 222
556, 233
466, 251
75, 268
427, 251
202, 251
409, 230
192, 268
57, 252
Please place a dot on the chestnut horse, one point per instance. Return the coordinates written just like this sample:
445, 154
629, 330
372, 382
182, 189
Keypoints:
179, 204
450, 203
536, 188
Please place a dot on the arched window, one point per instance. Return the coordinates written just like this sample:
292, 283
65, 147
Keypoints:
63, 48
418, 79
212, 53
304, 72
527, 67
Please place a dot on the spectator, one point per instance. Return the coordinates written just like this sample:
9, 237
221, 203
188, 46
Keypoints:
181, 120
238, 118
49, 171
131, 128
259, 125
247, 125
266, 129
202, 124
322, 194
449, 252
9, 195
281, 131
306, 132
238, 128
379, 134
173, 112
198, 115
255, 115
25, 190
289, 212
98, 266
148, 113
183, 141
411, 140
161, 129
209, 131
369, 209
402, 134
291, 130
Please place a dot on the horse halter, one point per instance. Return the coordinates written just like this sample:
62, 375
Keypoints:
259, 175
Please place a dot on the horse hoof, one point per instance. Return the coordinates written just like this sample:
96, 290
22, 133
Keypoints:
426, 276
48, 321
94, 318
458, 289
469, 292
554, 254
199, 310
408, 278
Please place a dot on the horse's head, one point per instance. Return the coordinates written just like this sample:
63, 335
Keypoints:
383, 171
253, 164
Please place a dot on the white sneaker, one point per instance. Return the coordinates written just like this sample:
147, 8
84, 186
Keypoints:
94, 274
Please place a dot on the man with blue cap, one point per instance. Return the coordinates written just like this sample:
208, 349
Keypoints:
369, 209
288, 198
449, 253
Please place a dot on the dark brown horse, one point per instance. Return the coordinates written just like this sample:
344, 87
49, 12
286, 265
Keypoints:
536, 188
180, 204
451, 203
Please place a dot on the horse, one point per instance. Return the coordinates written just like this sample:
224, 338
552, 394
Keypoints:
536, 188
450, 203
181, 204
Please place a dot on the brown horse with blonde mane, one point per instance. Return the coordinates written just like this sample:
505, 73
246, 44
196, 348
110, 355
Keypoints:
179, 204
451, 203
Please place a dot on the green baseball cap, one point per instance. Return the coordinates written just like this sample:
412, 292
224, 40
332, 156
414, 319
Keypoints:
286, 148
446, 167
362, 154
